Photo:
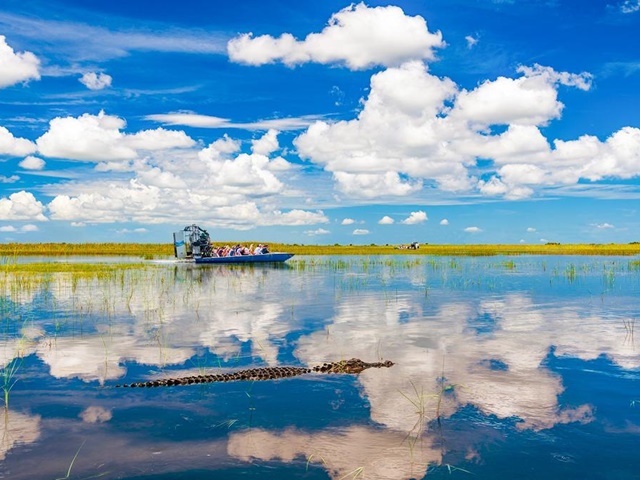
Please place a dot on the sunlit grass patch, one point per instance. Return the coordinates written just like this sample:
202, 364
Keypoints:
64, 267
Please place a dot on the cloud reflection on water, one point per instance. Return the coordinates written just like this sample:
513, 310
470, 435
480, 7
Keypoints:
454, 348
17, 429
381, 454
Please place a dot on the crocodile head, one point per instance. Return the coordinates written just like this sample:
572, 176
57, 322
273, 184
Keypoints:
355, 365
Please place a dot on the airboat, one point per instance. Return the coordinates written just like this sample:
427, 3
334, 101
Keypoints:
194, 244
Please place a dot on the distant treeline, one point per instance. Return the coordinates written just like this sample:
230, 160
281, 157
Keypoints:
157, 250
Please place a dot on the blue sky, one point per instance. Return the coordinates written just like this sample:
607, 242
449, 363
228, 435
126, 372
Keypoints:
444, 121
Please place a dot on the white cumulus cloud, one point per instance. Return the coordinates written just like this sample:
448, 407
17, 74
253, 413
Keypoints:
16, 147
95, 138
472, 229
218, 184
386, 220
398, 140
526, 160
360, 231
531, 99
220, 148
266, 144
96, 81
348, 221
21, 206
158, 139
245, 174
415, 218
417, 130
372, 185
444, 221
86, 138
579, 80
357, 36
16, 67
32, 163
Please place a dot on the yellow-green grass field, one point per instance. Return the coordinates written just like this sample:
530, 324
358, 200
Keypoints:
146, 250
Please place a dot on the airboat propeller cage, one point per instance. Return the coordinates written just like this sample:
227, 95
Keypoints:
191, 242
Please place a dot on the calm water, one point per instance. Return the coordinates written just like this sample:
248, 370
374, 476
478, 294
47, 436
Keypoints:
505, 367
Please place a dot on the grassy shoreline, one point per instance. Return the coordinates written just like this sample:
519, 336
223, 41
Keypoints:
145, 250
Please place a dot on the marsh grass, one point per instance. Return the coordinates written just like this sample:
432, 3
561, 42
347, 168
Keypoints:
73, 461
13, 359
418, 400
228, 424
144, 250
629, 326
509, 265
312, 459
9, 378
93, 292
354, 474
159, 250
571, 273
451, 468
23, 280
80, 269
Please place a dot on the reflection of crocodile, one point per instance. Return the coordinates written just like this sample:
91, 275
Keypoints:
353, 366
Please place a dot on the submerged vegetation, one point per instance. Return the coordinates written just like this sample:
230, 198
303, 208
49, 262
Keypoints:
157, 250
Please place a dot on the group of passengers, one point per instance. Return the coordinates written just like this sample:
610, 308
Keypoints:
237, 250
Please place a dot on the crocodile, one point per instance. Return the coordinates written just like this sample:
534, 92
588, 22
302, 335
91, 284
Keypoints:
353, 366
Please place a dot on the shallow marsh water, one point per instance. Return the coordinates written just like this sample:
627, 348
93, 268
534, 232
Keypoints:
505, 367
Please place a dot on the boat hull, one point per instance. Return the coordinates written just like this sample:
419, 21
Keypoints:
275, 257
